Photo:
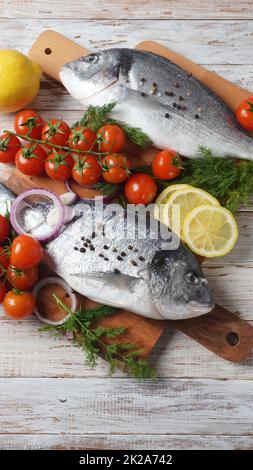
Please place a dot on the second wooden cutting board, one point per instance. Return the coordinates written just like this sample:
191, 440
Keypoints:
220, 331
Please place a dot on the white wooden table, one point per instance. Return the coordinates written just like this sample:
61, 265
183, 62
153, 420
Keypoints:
48, 398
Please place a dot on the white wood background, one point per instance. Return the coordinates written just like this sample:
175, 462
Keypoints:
48, 398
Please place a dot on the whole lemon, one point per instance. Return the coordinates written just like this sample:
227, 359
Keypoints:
19, 80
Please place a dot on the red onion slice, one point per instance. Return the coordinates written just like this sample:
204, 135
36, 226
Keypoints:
56, 229
49, 281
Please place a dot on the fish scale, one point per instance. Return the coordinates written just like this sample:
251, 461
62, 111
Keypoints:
174, 108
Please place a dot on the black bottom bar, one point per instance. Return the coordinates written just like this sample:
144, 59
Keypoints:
110, 459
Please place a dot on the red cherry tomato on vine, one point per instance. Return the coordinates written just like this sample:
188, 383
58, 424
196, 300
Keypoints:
167, 165
115, 168
244, 114
3, 292
28, 123
59, 165
83, 139
30, 160
4, 228
22, 279
55, 132
86, 171
140, 189
19, 305
112, 138
9, 145
26, 252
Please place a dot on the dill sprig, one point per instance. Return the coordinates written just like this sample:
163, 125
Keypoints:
81, 325
96, 116
108, 189
227, 179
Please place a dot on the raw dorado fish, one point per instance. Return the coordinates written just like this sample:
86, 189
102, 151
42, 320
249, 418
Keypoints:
153, 275
175, 109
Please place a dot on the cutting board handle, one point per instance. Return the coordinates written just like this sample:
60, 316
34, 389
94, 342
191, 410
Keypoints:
51, 50
221, 331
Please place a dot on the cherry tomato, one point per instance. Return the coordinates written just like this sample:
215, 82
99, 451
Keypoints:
140, 189
112, 138
167, 165
29, 123
244, 114
82, 138
4, 260
19, 305
22, 279
59, 165
3, 292
30, 160
115, 168
26, 252
9, 145
56, 132
86, 171
4, 228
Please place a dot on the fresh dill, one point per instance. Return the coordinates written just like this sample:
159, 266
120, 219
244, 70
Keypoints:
96, 116
82, 327
227, 179
108, 189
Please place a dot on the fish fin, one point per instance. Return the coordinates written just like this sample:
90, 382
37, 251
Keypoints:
124, 281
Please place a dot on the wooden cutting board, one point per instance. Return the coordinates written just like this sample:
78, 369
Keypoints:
220, 331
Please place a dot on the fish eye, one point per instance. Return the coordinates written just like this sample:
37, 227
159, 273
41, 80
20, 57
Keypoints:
192, 278
92, 58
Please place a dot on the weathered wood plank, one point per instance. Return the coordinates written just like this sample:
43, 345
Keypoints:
129, 442
174, 356
119, 9
80, 406
211, 42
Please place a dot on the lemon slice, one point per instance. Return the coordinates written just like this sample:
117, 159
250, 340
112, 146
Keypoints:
164, 196
210, 231
180, 203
